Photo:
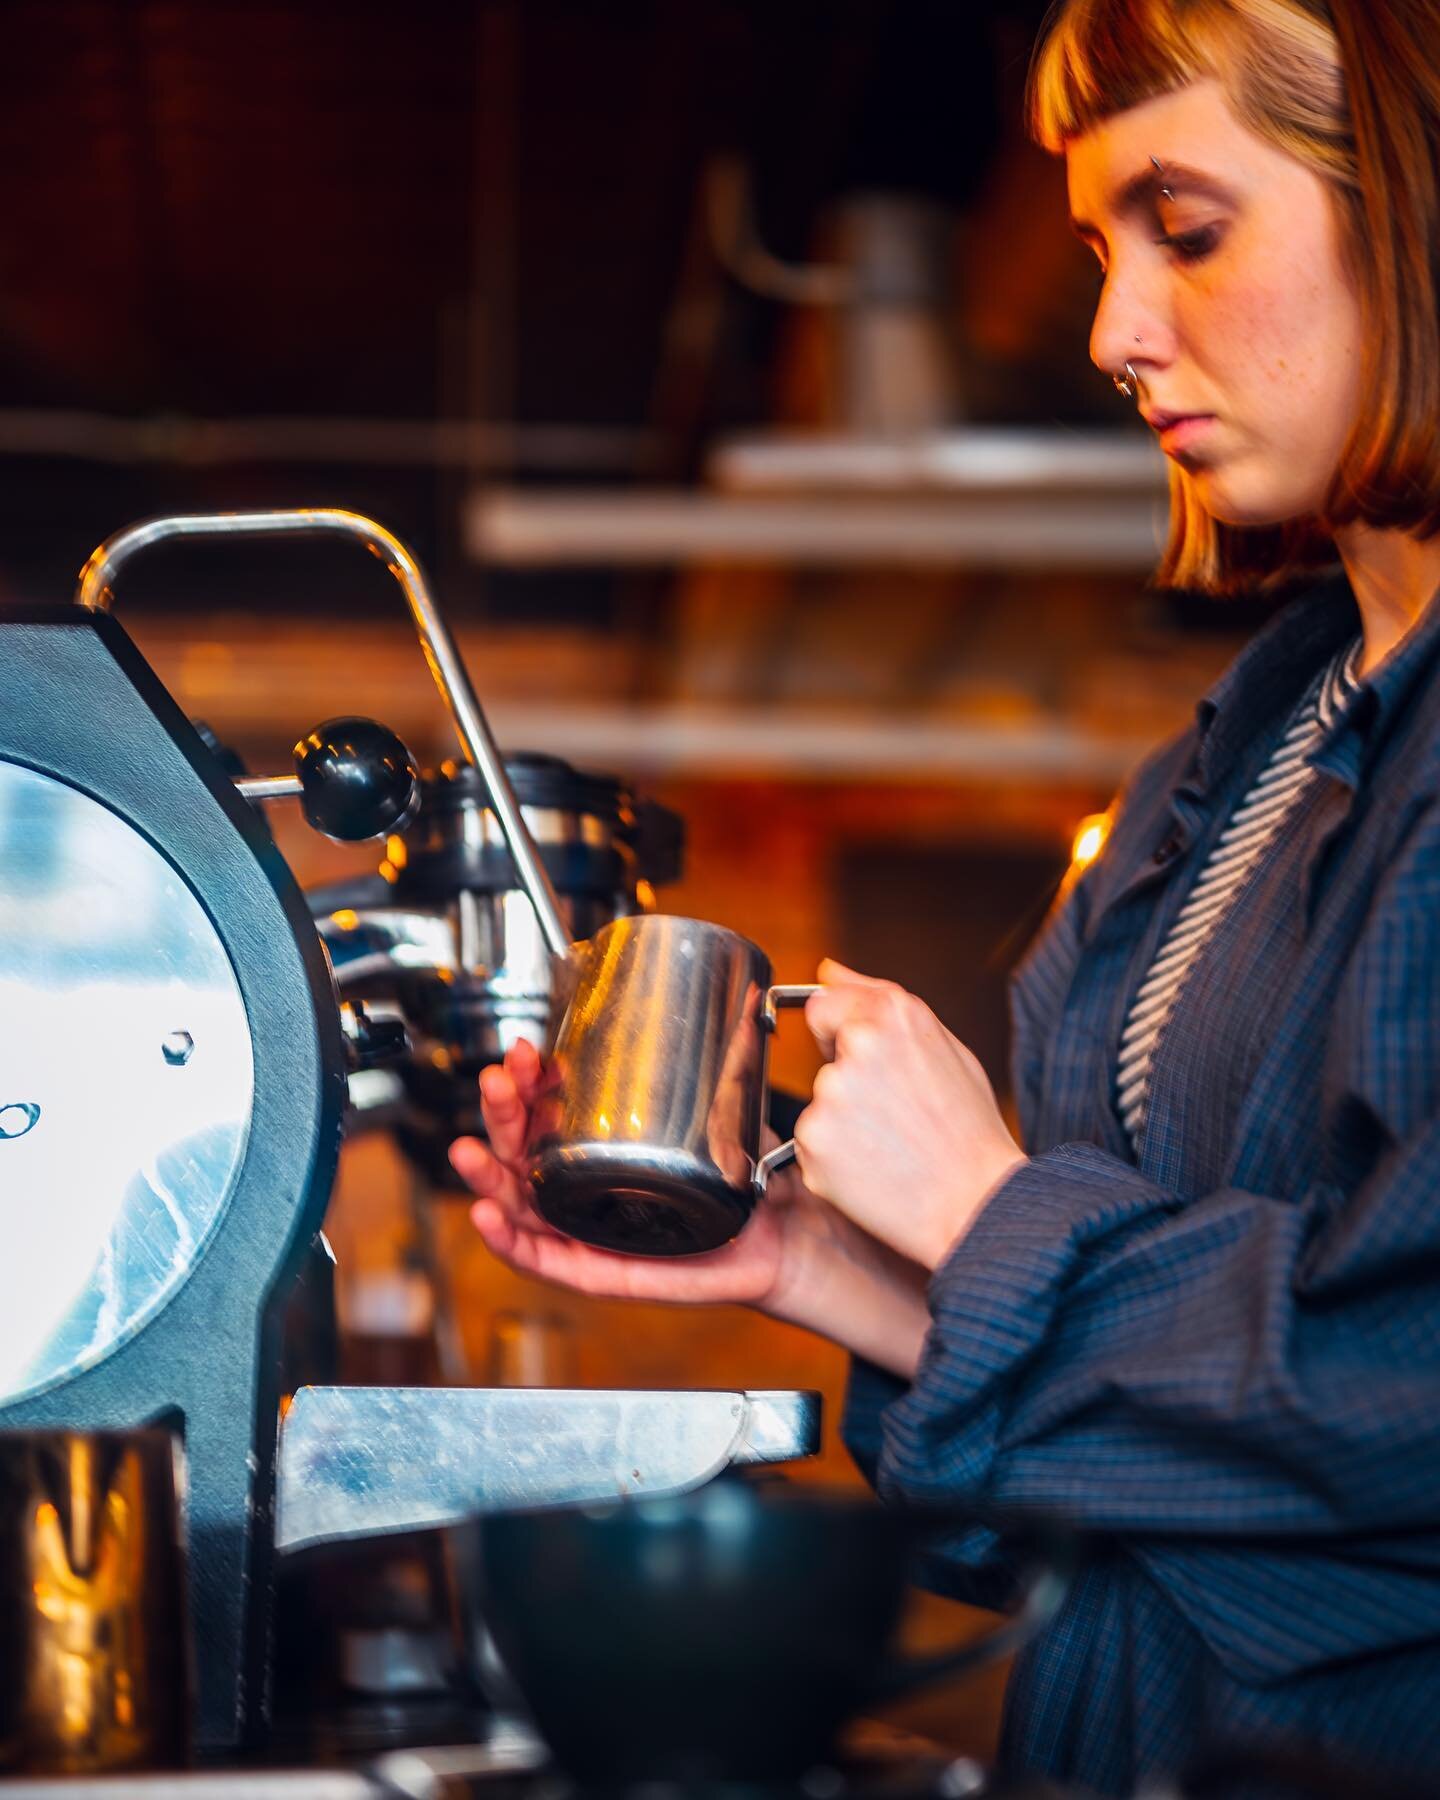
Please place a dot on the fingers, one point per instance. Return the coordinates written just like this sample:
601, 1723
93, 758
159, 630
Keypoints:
503, 1215
506, 1114
527, 1070
485, 1174
519, 1237
834, 973
496, 1227
846, 998
508, 1093
508, 1234
834, 1014
495, 1169
533, 1248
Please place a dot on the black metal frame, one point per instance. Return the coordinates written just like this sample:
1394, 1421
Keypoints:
78, 701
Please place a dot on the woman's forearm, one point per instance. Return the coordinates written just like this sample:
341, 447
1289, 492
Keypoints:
849, 1288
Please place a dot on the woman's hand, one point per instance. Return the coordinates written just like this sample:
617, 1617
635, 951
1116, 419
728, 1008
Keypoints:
797, 1259
747, 1271
904, 1134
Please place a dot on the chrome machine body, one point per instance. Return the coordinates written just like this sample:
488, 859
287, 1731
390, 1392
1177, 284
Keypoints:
445, 938
174, 1061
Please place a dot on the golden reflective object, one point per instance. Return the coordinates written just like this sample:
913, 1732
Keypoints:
94, 1667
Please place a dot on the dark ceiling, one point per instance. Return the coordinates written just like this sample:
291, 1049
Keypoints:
345, 210
222, 206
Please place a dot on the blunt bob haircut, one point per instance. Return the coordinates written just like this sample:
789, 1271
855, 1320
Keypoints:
1351, 88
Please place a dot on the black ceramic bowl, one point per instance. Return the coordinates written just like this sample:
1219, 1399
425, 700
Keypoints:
725, 1634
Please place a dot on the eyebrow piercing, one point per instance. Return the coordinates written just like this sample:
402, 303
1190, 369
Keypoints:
1165, 192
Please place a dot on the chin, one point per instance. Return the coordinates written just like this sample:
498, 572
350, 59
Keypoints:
1253, 503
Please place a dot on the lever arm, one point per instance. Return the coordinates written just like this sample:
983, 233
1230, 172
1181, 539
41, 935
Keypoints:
95, 592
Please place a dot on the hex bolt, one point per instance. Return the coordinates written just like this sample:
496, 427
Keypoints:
178, 1048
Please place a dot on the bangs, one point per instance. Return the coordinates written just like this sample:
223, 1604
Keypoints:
1098, 57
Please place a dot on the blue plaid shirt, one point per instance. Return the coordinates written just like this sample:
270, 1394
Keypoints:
1227, 1356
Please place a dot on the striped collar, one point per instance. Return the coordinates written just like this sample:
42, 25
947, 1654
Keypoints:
1271, 676
1277, 667
1338, 684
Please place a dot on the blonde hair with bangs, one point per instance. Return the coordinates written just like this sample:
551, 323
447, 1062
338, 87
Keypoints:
1350, 88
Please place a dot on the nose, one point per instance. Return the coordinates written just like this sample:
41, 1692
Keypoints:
1129, 327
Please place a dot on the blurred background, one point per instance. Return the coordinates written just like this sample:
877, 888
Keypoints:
725, 362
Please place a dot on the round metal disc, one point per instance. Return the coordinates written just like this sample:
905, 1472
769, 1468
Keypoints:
126, 1080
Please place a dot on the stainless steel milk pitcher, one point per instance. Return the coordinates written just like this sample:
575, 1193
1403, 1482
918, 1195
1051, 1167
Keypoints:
649, 1139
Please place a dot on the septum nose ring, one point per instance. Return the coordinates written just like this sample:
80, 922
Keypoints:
1128, 382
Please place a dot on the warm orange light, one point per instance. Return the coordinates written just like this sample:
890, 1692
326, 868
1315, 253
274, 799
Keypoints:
1090, 836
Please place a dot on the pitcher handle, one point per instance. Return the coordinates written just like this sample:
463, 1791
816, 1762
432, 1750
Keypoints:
795, 994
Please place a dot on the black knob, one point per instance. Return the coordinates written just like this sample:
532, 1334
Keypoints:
357, 780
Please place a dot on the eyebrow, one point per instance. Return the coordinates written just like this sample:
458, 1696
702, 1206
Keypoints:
1144, 188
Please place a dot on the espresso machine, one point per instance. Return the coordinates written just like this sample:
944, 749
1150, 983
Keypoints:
182, 1033
443, 938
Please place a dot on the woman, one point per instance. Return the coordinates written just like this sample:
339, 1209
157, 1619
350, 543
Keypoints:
1203, 1313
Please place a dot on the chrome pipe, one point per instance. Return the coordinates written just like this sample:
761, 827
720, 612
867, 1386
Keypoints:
268, 787
95, 592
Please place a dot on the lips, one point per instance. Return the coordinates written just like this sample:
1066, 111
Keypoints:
1178, 431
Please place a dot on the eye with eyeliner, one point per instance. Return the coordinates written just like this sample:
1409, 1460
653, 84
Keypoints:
1191, 246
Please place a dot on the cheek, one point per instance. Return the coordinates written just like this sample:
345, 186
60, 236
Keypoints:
1280, 337
1306, 380
1283, 357
1264, 344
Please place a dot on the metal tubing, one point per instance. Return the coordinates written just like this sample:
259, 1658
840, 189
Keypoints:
96, 591
268, 787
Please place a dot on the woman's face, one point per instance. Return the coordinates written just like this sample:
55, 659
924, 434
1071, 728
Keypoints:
1224, 289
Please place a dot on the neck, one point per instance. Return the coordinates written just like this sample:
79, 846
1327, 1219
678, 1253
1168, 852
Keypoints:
1393, 577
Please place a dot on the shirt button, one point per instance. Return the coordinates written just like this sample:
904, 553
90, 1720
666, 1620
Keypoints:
1169, 850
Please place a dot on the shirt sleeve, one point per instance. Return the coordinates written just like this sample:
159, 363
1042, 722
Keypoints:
1244, 1389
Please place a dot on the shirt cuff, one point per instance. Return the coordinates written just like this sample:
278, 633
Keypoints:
1045, 1217
993, 1301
